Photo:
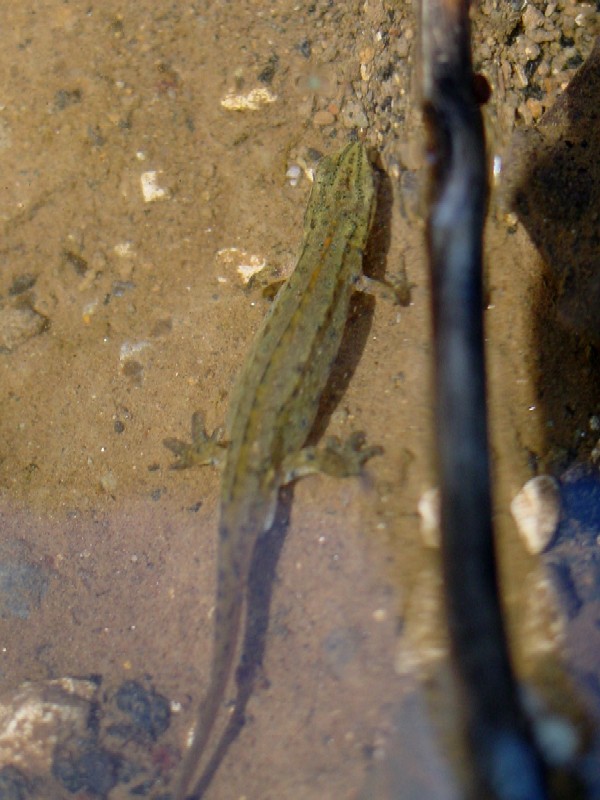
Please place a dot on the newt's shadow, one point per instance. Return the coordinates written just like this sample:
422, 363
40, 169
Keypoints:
556, 194
269, 546
260, 589
362, 310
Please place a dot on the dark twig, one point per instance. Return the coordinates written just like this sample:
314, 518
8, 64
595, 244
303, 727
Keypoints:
506, 761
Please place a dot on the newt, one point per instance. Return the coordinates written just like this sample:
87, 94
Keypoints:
274, 404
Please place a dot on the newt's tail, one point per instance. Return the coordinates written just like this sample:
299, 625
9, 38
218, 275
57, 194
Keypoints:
227, 624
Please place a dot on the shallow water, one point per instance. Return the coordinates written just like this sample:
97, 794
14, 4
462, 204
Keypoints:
126, 186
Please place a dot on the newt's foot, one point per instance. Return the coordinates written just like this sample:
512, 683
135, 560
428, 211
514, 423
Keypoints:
202, 450
336, 458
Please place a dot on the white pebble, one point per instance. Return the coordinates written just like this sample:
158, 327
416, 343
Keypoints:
293, 174
151, 191
255, 99
536, 512
429, 513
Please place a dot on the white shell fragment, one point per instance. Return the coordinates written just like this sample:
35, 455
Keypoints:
252, 101
124, 250
151, 191
245, 263
129, 349
429, 517
536, 512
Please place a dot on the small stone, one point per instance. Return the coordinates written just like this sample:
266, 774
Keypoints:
353, 115
532, 18
304, 48
521, 76
81, 764
525, 114
586, 13
535, 107
148, 711
323, 118
17, 325
530, 49
366, 55
293, 174
541, 35
485, 52
543, 70
22, 283
402, 47
151, 191
559, 61
536, 512
109, 482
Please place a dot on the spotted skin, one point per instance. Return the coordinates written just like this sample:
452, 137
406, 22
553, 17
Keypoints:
274, 405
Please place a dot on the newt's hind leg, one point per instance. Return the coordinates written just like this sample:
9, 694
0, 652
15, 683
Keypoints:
336, 458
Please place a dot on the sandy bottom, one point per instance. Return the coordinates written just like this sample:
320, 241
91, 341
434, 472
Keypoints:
131, 196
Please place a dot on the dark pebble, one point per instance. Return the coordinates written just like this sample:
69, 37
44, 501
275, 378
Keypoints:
66, 97
79, 264
268, 73
305, 48
22, 584
82, 765
13, 784
134, 370
22, 283
149, 711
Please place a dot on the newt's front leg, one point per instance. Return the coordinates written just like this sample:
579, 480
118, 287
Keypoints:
202, 450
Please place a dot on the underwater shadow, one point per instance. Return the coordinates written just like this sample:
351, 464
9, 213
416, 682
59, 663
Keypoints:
260, 590
362, 309
557, 198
